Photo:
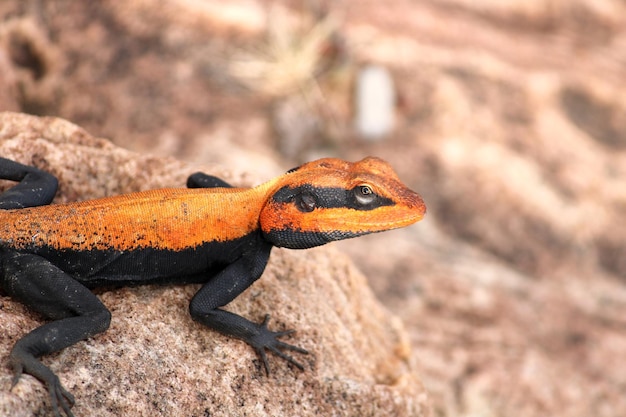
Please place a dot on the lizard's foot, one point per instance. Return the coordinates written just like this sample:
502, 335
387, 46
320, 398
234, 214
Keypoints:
59, 396
267, 339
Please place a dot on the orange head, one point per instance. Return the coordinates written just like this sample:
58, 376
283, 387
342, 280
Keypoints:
330, 199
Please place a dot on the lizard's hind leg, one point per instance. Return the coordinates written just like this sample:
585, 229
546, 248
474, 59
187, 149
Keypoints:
76, 311
35, 188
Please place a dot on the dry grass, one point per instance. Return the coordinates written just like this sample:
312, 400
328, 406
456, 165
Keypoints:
289, 58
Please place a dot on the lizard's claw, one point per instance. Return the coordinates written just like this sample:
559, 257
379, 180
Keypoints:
267, 339
18, 370
59, 396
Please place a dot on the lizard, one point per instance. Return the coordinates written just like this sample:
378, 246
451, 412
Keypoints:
53, 255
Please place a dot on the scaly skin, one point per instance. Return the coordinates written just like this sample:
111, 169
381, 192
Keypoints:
212, 233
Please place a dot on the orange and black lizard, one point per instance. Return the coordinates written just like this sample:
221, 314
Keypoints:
51, 255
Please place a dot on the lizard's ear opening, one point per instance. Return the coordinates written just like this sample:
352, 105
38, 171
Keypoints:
305, 202
286, 220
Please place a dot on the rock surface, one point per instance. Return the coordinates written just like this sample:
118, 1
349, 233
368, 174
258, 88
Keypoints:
154, 360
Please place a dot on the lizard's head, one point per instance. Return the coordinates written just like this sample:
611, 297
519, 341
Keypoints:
330, 199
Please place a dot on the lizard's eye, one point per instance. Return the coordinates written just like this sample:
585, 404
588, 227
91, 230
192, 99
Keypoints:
364, 195
306, 202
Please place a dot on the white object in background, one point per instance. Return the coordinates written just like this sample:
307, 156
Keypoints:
375, 103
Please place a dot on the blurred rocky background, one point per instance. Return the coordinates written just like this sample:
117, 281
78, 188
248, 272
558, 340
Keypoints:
508, 117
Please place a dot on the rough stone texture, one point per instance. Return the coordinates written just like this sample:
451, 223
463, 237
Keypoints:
154, 360
510, 121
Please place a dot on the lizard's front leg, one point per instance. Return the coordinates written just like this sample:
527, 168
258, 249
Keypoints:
76, 311
222, 289
202, 180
